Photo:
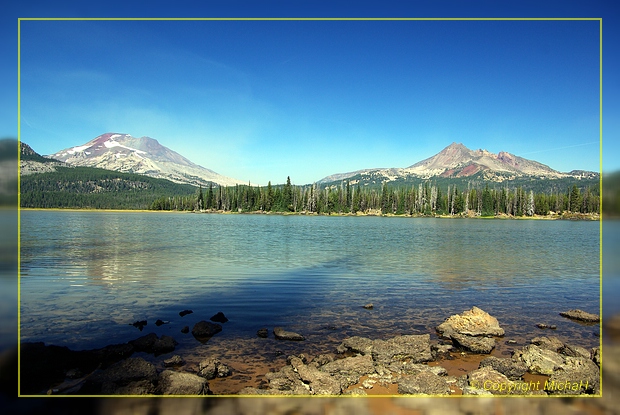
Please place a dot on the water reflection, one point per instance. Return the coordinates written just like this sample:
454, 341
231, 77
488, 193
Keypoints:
94, 273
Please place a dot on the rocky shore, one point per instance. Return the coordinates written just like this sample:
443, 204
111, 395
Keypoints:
458, 363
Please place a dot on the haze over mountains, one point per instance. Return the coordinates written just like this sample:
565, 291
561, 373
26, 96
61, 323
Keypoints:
457, 161
144, 155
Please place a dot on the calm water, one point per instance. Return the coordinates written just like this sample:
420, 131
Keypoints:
86, 276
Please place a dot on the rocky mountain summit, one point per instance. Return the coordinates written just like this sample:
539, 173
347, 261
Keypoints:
144, 155
458, 161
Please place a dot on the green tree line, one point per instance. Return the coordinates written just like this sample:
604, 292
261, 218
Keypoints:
424, 199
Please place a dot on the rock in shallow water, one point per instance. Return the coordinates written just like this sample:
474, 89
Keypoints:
581, 315
204, 330
219, 318
282, 334
175, 360
211, 368
474, 344
263, 333
180, 383
120, 375
474, 322
185, 312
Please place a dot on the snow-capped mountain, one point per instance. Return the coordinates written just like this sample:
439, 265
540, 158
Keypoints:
144, 155
456, 160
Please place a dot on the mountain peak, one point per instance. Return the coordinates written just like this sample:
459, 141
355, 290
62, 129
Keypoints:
144, 155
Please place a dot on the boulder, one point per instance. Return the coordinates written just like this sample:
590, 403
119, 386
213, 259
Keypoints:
575, 376
219, 318
413, 347
490, 380
441, 351
320, 383
211, 368
180, 383
574, 351
581, 315
550, 343
409, 368
175, 360
287, 381
349, 370
474, 322
369, 306
165, 344
120, 374
424, 383
204, 330
356, 344
144, 343
473, 344
185, 329
539, 361
139, 324
511, 368
322, 359
139, 387
595, 355
185, 312
282, 334
263, 333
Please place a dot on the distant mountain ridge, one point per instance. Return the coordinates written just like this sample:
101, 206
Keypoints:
143, 155
458, 161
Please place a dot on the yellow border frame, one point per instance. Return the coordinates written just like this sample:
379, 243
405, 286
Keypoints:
19, 20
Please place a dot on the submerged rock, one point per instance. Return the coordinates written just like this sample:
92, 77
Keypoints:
204, 330
185, 329
139, 324
175, 360
263, 333
219, 318
369, 306
153, 344
581, 315
185, 312
474, 322
282, 334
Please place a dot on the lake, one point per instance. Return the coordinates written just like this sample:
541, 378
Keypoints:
87, 275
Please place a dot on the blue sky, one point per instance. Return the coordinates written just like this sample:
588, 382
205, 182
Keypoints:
262, 100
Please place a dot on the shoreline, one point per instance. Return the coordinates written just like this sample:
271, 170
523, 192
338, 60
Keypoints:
564, 216
383, 366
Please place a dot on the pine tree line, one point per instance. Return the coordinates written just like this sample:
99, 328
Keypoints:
425, 199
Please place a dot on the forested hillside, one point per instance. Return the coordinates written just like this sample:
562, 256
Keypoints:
87, 187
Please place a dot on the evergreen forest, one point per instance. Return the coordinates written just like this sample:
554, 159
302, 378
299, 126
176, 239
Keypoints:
426, 198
